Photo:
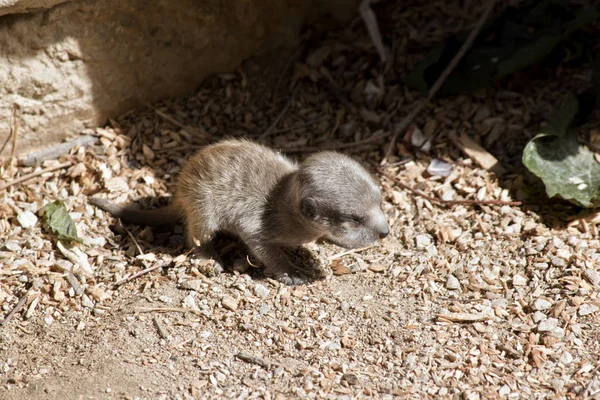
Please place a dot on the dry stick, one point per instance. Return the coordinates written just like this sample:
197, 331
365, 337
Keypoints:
293, 58
168, 309
442, 78
139, 249
332, 147
370, 20
450, 202
584, 393
138, 274
352, 251
15, 310
15, 131
35, 174
303, 125
7, 140
280, 115
198, 131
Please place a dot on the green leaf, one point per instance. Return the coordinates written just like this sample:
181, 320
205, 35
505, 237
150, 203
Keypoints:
58, 222
568, 169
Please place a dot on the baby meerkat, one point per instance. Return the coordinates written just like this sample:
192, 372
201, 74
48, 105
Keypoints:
269, 202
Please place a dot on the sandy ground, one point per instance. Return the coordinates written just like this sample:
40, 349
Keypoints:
465, 301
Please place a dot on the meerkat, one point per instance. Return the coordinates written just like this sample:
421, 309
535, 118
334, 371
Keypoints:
270, 202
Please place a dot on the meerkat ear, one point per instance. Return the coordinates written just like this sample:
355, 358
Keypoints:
308, 207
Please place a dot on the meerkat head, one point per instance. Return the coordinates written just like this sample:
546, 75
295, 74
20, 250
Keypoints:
341, 199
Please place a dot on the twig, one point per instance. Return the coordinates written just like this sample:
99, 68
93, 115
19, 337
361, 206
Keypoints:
441, 79
15, 134
7, 140
370, 20
352, 251
303, 125
161, 330
168, 309
332, 147
34, 174
253, 359
138, 274
180, 148
451, 202
197, 131
56, 151
139, 249
280, 115
584, 393
15, 310
293, 58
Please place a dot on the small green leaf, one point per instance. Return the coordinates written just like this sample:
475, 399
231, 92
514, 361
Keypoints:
568, 169
58, 222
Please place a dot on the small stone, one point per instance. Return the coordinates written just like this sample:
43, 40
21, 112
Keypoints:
548, 325
504, 391
229, 303
452, 283
519, 280
27, 219
86, 301
190, 302
422, 241
572, 241
558, 262
351, 379
264, 309
587, 309
377, 267
541, 304
261, 291
592, 276
165, 299
192, 284
538, 316
566, 358
49, 320
12, 246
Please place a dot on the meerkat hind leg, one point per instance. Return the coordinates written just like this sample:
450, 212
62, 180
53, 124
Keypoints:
203, 249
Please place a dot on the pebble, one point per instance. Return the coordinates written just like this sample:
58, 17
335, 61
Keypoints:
12, 246
452, 283
165, 299
592, 276
422, 241
538, 316
548, 325
377, 267
519, 280
86, 301
27, 219
261, 291
566, 358
264, 309
541, 304
189, 301
558, 262
587, 309
192, 284
229, 303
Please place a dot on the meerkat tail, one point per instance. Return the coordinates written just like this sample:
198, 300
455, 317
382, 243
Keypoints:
168, 215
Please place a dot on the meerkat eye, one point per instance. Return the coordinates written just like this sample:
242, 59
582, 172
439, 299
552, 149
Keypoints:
356, 219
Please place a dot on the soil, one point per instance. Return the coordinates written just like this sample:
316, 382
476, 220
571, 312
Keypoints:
470, 301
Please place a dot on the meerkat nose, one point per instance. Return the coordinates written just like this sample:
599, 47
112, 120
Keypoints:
384, 234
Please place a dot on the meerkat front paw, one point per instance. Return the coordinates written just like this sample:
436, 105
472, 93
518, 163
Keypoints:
287, 276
